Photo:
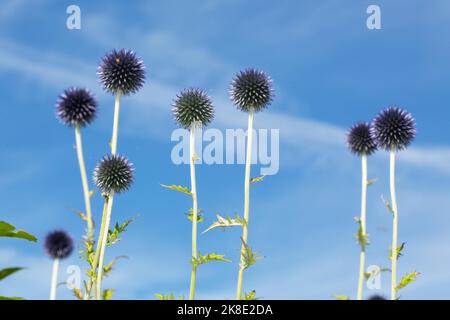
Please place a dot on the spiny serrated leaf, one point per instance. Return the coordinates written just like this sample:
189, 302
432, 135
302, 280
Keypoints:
250, 295
223, 222
202, 259
9, 271
341, 297
9, 231
190, 215
363, 239
113, 235
249, 257
257, 179
178, 188
107, 294
399, 251
409, 278
107, 268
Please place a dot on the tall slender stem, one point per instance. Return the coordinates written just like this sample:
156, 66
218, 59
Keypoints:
54, 279
109, 203
394, 227
84, 181
363, 226
246, 204
116, 123
192, 158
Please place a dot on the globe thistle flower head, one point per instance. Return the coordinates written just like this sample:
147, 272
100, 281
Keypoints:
58, 244
360, 141
121, 71
76, 107
251, 90
393, 129
114, 173
193, 107
376, 297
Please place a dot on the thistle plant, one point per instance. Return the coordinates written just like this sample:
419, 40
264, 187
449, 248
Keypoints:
251, 91
360, 142
58, 245
121, 73
193, 109
394, 129
77, 108
113, 174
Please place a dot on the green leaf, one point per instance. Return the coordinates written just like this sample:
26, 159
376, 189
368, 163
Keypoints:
169, 296
368, 275
341, 297
249, 256
178, 188
107, 268
363, 239
77, 293
226, 222
11, 298
257, 179
409, 278
190, 215
250, 295
113, 235
8, 271
107, 294
202, 259
8, 230
399, 251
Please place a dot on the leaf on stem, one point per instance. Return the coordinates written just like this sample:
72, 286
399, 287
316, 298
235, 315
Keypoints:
113, 235
10, 298
388, 205
376, 272
409, 278
77, 293
169, 296
9, 231
178, 188
257, 179
202, 259
399, 251
190, 215
363, 239
9, 271
223, 222
107, 294
249, 257
107, 268
250, 295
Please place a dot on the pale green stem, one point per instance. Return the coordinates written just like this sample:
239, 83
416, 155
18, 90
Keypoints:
84, 181
54, 279
97, 252
246, 204
110, 197
394, 227
363, 226
103, 240
192, 157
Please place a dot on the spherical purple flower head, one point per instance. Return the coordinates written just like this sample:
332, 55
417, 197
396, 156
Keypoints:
121, 71
360, 141
251, 90
76, 107
193, 107
58, 244
376, 297
393, 129
114, 173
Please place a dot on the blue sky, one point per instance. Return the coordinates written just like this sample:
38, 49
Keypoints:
329, 71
